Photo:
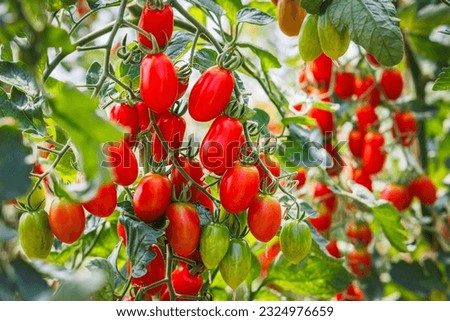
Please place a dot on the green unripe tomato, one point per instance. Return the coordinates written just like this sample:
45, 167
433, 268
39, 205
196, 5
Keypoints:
214, 243
308, 41
35, 236
236, 264
37, 199
295, 241
334, 43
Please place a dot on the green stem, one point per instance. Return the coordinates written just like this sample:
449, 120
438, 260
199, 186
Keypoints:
169, 256
92, 245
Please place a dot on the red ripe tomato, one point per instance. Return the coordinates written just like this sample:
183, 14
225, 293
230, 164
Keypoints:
405, 127
104, 203
156, 271
144, 117
321, 223
126, 116
272, 165
360, 262
367, 90
183, 85
333, 249
158, 83
152, 197
327, 201
359, 233
121, 233
362, 178
221, 144
373, 61
344, 87
124, 164
356, 142
322, 68
353, 293
366, 117
192, 167
172, 128
186, 283
392, 83
398, 195
324, 119
199, 197
183, 232
268, 256
264, 217
300, 177
373, 153
239, 187
66, 220
158, 23
424, 189
211, 94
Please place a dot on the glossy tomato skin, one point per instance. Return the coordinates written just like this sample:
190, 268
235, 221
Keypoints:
67, 220
360, 262
214, 243
152, 197
359, 233
35, 235
398, 195
424, 189
373, 61
158, 23
356, 142
105, 201
321, 223
362, 178
327, 201
322, 68
126, 116
236, 263
183, 232
373, 154
143, 114
186, 283
272, 164
324, 119
264, 217
239, 187
221, 144
405, 127
124, 164
392, 83
344, 87
211, 94
158, 82
333, 249
172, 128
366, 117
156, 271
295, 241
183, 85
121, 233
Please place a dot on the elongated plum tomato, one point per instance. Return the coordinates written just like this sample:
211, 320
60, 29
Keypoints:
398, 195
152, 197
356, 142
214, 243
367, 90
344, 86
236, 263
158, 83
172, 128
184, 282
221, 144
333, 249
300, 177
366, 117
359, 262
264, 217
321, 223
121, 233
143, 113
405, 127
239, 187
124, 164
359, 233
211, 94
327, 201
156, 271
392, 83
290, 17
322, 68
35, 235
295, 241
424, 189
158, 23
104, 203
126, 116
183, 232
362, 178
67, 220
373, 153
324, 119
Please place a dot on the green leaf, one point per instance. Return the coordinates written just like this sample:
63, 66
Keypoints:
231, 8
267, 59
28, 114
140, 237
94, 73
425, 20
372, 25
55, 37
178, 44
30, 284
75, 112
388, 217
318, 275
299, 120
254, 16
429, 49
312, 6
6, 52
203, 213
103, 265
55, 5
209, 5
15, 74
14, 170
204, 59
261, 117
443, 80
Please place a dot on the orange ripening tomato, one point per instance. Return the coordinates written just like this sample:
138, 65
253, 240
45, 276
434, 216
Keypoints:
290, 17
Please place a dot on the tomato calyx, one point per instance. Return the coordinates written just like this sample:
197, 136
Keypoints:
154, 4
183, 69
